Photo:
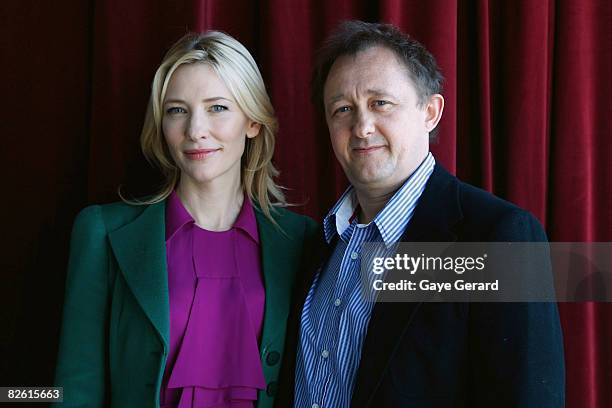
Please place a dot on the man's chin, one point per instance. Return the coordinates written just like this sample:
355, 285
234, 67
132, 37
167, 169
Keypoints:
368, 179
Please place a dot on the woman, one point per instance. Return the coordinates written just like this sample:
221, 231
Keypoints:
182, 300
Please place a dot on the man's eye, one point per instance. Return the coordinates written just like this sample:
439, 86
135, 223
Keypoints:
343, 109
218, 108
175, 109
380, 103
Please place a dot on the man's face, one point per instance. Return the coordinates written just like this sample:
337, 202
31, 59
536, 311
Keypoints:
378, 131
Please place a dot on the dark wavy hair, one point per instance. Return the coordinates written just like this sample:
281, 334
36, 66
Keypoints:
354, 36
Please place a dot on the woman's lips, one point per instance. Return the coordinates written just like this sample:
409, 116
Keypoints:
199, 154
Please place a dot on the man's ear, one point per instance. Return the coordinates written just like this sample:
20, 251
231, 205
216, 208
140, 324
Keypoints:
253, 129
433, 111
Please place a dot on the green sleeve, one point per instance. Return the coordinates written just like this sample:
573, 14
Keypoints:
82, 361
311, 231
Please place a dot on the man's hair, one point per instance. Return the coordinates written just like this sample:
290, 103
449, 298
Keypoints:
354, 36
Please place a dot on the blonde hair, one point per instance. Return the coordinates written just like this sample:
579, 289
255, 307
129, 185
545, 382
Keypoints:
238, 70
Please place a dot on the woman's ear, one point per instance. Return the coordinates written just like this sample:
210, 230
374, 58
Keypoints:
253, 129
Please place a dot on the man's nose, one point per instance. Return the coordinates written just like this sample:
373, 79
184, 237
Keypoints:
198, 126
364, 124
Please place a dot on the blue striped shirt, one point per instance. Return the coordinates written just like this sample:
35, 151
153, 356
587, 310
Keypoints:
335, 315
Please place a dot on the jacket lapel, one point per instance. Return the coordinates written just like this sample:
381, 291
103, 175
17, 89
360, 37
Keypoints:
278, 257
140, 250
435, 215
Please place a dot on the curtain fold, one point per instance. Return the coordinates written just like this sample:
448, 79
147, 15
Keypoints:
580, 184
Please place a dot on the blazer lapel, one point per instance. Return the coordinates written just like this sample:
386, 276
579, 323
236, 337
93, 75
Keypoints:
435, 215
140, 250
278, 258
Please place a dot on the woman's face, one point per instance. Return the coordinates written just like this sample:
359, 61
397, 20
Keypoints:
203, 126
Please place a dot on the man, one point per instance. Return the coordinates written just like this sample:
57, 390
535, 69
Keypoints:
380, 91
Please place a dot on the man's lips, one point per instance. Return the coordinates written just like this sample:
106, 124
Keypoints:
197, 154
367, 150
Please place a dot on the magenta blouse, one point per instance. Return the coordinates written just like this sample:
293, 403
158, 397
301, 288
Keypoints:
216, 295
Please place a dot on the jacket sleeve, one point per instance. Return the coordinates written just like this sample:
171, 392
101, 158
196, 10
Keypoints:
82, 361
516, 348
311, 233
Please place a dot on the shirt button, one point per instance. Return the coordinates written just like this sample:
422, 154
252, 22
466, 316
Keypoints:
315, 405
325, 354
337, 302
354, 255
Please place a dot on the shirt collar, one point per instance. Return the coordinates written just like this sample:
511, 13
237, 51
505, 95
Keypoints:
392, 220
246, 220
177, 216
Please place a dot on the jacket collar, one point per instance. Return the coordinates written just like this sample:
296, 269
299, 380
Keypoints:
434, 217
140, 250
278, 257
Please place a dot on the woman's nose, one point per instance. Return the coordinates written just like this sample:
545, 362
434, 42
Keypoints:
197, 128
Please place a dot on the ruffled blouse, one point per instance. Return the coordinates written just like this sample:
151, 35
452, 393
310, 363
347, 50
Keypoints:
216, 296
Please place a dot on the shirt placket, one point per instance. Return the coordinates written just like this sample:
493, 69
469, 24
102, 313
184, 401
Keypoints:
340, 308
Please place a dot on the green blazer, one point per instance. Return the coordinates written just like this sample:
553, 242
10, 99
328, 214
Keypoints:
115, 331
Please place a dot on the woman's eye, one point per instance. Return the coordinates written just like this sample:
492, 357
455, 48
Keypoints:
175, 109
218, 108
380, 103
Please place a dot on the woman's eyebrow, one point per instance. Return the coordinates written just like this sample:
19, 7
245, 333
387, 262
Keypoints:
216, 98
211, 99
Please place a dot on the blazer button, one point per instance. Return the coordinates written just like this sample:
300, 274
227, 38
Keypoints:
273, 358
272, 389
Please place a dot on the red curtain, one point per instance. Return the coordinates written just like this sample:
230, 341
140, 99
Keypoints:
526, 118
